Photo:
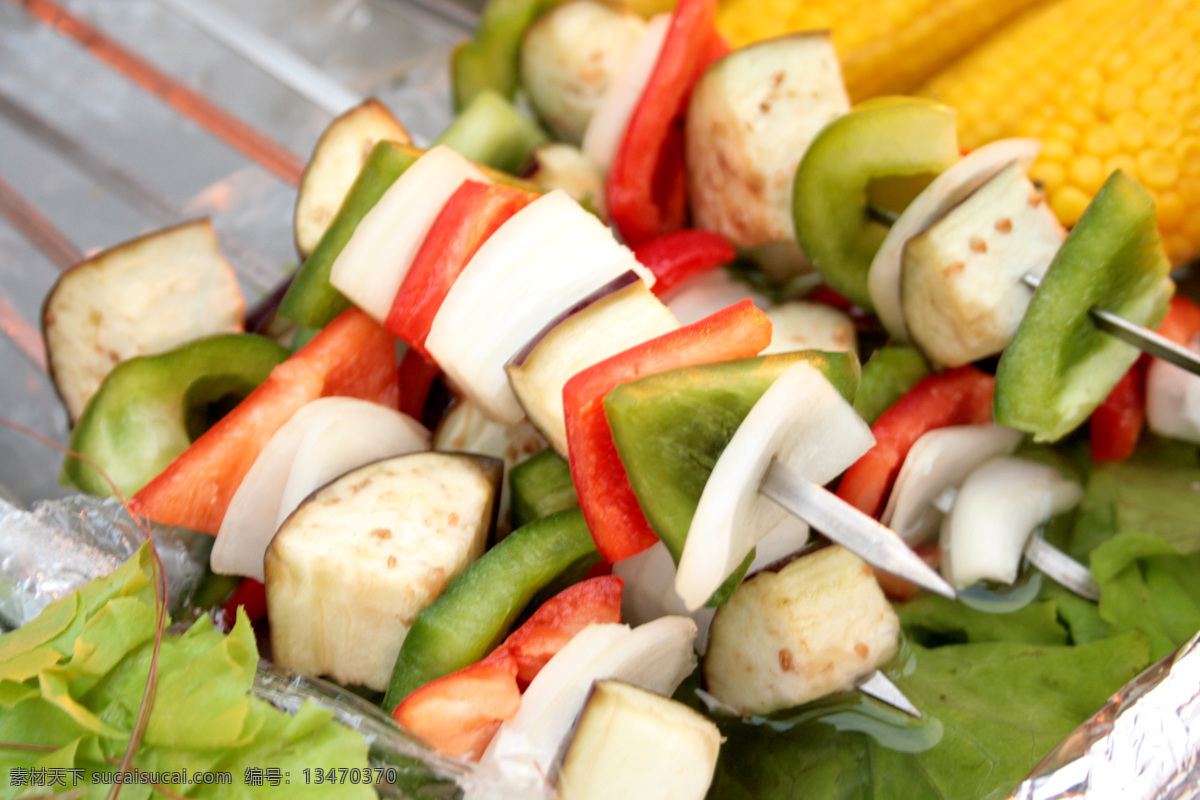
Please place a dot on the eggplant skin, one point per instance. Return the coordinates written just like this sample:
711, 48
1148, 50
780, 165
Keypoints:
816, 627
349, 571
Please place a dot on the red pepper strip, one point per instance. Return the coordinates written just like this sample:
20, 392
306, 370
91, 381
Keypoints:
1116, 424
960, 396
458, 714
351, 357
595, 600
416, 374
676, 257
1182, 322
823, 294
250, 595
647, 184
609, 506
470, 216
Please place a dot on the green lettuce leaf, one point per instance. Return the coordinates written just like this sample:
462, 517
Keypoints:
71, 684
1147, 585
992, 710
1156, 491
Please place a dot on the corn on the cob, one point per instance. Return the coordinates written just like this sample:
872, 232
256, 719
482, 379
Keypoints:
1105, 84
885, 47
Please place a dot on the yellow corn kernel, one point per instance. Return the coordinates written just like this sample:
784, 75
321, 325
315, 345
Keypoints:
885, 46
1118, 87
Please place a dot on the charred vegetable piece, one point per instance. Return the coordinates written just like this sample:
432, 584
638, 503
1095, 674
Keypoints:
541, 485
150, 409
312, 301
630, 742
478, 609
145, 296
351, 569
817, 626
1059, 366
885, 138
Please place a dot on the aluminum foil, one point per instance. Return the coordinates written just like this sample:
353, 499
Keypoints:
1144, 743
437, 776
60, 545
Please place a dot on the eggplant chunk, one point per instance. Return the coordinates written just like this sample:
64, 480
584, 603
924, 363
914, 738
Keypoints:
961, 286
336, 161
818, 626
804, 325
142, 297
749, 121
630, 742
349, 571
569, 58
622, 319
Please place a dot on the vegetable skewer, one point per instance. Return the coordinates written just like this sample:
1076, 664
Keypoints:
872, 541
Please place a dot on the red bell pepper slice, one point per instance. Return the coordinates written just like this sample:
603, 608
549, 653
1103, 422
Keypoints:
458, 714
596, 600
960, 396
609, 506
416, 375
1116, 425
1182, 322
352, 357
676, 257
470, 216
647, 184
250, 595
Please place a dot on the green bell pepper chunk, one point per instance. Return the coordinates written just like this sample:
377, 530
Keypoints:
1059, 365
475, 612
890, 372
541, 485
149, 409
670, 428
490, 59
885, 139
492, 132
311, 300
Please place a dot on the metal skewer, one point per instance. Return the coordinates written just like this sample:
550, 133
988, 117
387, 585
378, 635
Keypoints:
1144, 339
1053, 563
866, 537
863, 535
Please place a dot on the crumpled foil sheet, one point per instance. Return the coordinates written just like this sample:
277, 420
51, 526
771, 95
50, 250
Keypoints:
390, 747
60, 545
1144, 743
